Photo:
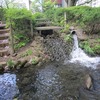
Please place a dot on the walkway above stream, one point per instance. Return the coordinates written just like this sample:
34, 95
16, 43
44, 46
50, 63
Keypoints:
44, 25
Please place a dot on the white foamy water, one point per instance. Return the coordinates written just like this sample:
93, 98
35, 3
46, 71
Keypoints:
78, 55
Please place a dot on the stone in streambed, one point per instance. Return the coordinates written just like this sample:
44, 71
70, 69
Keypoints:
15, 54
21, 64
26, 81
1, 69
89, 82
27, 65
17, 63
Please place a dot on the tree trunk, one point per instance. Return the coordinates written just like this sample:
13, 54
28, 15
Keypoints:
71, 2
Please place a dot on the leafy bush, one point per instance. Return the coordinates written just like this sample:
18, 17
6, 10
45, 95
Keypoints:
38, 15
68, 38
86, 46
96, 49
2, 12
19, 18
10, 63
20, 40
86, 17
34, 61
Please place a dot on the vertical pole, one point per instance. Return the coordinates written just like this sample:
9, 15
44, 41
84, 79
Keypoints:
11, 39
31, 25
65, 20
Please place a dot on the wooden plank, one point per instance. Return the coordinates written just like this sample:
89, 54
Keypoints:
48, 28
2, 25
2, 31
4, 35
3, 63
4, 43
42, 19
41, 23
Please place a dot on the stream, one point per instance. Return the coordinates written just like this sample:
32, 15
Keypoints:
61, 79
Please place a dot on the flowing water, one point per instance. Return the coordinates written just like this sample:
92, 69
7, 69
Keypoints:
54, 80
78, 55
8, 87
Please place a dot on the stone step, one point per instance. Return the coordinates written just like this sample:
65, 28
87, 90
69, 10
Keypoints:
4, 36
2, 25
4, 44
3, 52
3, 63
6, 47
4, 41
2, 31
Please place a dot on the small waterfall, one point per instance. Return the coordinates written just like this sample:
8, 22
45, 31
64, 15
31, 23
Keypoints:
78, 55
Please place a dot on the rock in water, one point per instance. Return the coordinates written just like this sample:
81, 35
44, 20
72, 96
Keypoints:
89, 82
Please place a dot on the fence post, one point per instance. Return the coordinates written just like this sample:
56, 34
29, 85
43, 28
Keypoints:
11, 39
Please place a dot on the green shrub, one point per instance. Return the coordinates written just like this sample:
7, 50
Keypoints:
20, 40
96, 49
2, 12
68, 38
86, 17
86, 46
34, 61
10, 63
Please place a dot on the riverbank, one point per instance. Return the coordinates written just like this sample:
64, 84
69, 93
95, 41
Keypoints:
32, 53
38, 51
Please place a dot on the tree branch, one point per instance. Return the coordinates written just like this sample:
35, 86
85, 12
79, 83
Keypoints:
86, 2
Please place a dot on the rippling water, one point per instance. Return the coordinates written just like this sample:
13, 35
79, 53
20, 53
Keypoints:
8, 87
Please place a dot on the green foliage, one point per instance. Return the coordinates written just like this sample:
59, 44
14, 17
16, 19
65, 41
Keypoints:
86, 46
2, 12
34, 61
19, 18
98, 40
38, 15
96, 49
86, 17
18, 14
68, 38
91, 48
39, 6
27, 53
19, 45
20, 40
48, 5
10, 63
